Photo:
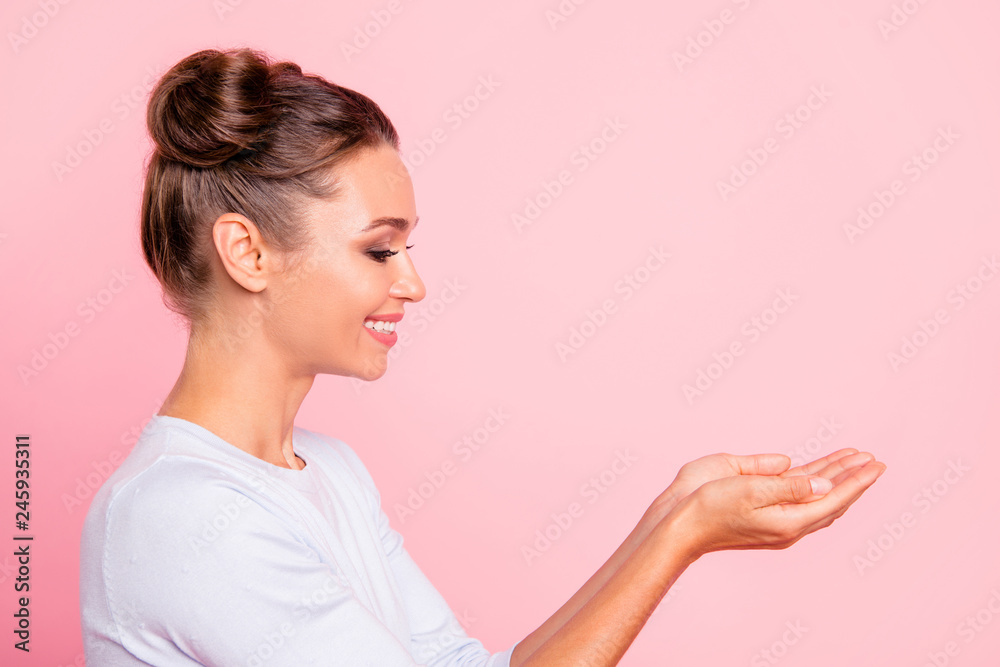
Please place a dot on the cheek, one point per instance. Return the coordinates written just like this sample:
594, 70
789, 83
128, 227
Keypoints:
343, 301
362, 289
334, 299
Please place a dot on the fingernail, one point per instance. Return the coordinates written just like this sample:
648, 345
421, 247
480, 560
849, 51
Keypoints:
820, 485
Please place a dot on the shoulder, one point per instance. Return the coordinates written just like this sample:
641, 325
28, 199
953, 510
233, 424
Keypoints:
177, 507
169, 496
171, 526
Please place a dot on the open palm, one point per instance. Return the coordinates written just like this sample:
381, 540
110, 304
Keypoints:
834, 467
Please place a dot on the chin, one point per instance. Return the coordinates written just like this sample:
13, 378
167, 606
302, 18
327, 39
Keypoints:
374, 369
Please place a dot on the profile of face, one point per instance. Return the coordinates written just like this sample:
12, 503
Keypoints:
356, 269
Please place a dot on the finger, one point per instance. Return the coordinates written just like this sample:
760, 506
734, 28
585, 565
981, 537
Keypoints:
840, 512
810, 520
845, 464
817, 465
841, 496
837, 477
761, 464
826, 521
770, 491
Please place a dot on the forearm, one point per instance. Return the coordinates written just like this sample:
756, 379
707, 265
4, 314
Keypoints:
600, 631
649, 521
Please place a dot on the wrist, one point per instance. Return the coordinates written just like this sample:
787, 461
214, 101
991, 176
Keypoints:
663, 505
677, 530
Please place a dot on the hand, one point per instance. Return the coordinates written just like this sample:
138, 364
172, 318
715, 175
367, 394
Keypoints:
752, 511
718, 466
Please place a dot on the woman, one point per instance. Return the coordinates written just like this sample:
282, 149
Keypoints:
275, 214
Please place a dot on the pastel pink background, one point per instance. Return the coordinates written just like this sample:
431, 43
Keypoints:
62, 237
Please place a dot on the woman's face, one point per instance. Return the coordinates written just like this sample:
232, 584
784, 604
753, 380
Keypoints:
357, 269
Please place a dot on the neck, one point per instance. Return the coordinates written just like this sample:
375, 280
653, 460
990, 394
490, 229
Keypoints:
243, 392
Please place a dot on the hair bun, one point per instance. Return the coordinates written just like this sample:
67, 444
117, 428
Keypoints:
211, 106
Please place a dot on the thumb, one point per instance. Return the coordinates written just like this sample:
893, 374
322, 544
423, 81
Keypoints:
797, 489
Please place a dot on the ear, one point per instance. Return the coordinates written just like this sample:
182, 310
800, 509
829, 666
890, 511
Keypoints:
244, 255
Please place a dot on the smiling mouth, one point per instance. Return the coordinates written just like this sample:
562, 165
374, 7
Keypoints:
380, 326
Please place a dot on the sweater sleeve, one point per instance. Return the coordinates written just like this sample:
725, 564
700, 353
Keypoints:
211, 576
437, 638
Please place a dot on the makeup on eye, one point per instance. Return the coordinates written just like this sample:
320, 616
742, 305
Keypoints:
381, 256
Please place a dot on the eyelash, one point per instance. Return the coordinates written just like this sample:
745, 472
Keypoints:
381, 256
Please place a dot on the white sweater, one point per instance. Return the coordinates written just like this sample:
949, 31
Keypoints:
195, 552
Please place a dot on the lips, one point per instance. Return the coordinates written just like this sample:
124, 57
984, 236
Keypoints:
384, 336
387, 317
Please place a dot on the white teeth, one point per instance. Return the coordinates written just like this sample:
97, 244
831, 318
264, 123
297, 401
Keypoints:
378, 325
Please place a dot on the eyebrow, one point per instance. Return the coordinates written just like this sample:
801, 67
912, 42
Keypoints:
400, 224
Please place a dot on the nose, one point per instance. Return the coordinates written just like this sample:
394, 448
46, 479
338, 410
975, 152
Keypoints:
408, 284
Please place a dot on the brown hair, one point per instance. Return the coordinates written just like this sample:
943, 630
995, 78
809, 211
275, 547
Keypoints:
235, 132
